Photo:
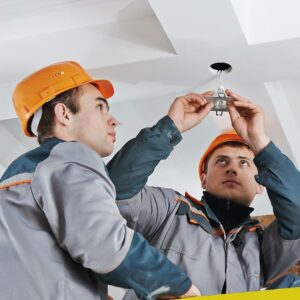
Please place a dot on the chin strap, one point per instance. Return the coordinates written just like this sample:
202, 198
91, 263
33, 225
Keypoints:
36, 120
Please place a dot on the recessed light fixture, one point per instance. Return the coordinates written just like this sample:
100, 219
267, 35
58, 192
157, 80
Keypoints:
220, 99
218, 67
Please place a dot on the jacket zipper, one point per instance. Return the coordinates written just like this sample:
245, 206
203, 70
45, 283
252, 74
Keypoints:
227, 204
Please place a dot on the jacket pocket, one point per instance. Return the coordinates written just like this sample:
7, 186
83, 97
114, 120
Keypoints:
184, 238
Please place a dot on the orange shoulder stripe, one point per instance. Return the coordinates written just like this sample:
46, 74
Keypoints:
193, 199
201, 214
14, 183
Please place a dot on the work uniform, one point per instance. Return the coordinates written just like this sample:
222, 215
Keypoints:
214, 240
62, 236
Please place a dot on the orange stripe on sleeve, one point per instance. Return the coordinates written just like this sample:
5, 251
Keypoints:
14, 183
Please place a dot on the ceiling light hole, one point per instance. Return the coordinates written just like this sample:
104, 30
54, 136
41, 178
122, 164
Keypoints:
218, 67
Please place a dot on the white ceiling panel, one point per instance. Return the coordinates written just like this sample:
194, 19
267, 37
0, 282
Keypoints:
42, 17
268, 20
283, 95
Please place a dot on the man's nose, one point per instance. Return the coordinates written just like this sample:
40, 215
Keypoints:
231, 172
113, 121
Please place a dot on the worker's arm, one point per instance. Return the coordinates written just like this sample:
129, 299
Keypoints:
134, 163
275, 171
144, 207
280, 245
281, 178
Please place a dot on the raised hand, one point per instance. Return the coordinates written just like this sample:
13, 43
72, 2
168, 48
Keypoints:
248, 121
189, 110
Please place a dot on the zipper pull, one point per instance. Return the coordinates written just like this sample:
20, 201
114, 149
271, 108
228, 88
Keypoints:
227, 204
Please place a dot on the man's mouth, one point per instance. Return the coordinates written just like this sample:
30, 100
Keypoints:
230, 181
113, 135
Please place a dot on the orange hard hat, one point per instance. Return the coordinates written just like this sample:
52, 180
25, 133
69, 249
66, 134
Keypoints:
229, 136
42, 86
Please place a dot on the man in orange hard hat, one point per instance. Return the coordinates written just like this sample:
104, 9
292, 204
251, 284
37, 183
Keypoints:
214, 239
62, 236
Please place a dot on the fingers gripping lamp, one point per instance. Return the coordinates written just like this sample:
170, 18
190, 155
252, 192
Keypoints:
220, 98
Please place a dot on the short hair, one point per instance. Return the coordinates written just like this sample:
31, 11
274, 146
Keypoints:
46, 125
234, 144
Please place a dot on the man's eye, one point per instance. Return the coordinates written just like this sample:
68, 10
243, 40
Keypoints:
102, 107
245, 163
221, 161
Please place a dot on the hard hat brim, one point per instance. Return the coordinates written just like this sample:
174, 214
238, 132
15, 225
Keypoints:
105, 87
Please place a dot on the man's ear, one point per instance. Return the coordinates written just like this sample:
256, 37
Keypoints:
62, 114
260, 189
203, 180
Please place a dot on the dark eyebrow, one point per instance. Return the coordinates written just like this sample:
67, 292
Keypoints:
222, 156
244, 157
103, 100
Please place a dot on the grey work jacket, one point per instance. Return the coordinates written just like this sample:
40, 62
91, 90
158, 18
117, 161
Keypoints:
62, 236
187, 231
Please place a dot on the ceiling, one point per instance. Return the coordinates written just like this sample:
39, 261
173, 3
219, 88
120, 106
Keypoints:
154, 51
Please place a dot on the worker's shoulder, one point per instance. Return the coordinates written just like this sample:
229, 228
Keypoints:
27, 162
53, 151
74, 152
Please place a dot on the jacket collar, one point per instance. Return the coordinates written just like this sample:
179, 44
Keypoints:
225, 211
